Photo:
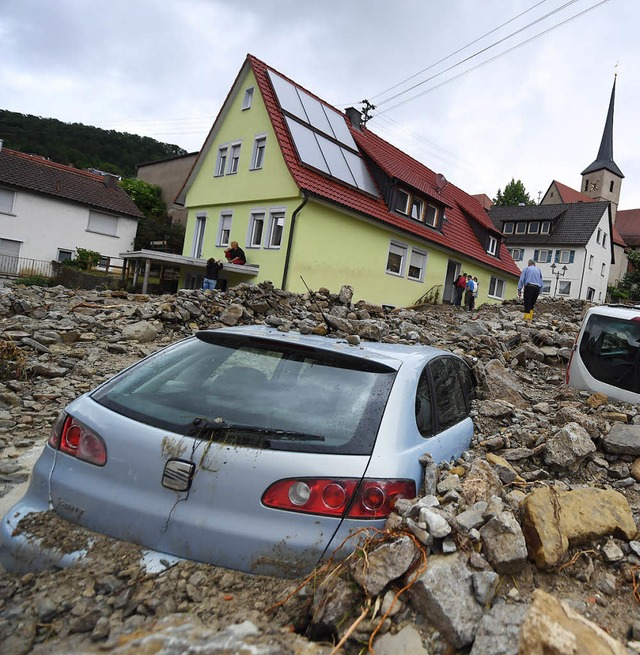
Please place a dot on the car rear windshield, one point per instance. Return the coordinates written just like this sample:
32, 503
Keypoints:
258, 393
610, 350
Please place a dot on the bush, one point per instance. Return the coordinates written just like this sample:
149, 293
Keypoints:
85, 259
34, 281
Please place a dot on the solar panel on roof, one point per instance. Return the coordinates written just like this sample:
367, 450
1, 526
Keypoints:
288, 96
307, 145
360, 173
339, 127
334, 156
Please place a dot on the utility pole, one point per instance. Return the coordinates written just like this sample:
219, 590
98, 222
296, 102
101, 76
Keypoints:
367, 108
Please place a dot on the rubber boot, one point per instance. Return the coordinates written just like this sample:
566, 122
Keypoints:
528, 316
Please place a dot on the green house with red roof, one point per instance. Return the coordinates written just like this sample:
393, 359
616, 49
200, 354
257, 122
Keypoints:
315, 198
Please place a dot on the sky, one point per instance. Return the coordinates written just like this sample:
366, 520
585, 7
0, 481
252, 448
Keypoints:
503, 88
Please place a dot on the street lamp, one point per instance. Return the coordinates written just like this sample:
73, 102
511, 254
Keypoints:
558, 274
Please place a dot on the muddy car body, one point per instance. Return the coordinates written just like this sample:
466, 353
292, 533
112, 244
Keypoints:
247, 448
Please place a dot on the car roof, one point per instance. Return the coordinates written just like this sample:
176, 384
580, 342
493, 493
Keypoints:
628, 312
390, 354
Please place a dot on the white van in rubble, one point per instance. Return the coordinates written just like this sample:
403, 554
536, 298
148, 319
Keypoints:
606, 354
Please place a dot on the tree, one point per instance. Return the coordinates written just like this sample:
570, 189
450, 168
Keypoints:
146, 196
514, 194
630, 284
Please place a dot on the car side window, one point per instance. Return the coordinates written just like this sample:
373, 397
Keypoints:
450, 402
424, 415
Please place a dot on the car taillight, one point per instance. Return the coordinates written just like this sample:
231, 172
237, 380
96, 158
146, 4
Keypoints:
71, 437
366, 499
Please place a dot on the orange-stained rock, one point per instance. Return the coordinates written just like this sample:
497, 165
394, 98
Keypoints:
553, 521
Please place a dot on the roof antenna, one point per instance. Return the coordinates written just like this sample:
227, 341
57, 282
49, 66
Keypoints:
441, 182
366, 111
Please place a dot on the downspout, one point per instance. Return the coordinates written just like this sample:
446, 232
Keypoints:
296, 211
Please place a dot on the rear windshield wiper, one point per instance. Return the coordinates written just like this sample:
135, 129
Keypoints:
203, 424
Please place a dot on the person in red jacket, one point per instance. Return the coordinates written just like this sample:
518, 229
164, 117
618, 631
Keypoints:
459, 285
235, 254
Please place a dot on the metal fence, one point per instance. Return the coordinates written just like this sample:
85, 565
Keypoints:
11, 266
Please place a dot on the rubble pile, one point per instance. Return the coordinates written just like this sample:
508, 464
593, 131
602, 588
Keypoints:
526, 544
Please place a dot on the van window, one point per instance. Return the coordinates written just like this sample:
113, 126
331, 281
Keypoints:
610, 350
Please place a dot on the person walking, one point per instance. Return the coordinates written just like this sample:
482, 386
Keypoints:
459, 284
211, 274
530, 283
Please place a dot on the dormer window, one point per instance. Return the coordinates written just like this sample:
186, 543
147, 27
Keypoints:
545, 227
493, 245
431, 217
402, 202
534, 227
521, 228
417, 207
507, 228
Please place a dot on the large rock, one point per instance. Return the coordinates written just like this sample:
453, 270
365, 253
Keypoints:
444, 595
499, 630
501, 384
552, 627
142, 332
504, 544
553, 521
481, 483
568, 448
622, 440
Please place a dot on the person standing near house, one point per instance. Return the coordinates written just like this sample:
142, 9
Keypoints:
211, 274
531, 283
469, 299
235, 254
459, 285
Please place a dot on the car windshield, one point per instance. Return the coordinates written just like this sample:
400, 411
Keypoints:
610, 350
255, 392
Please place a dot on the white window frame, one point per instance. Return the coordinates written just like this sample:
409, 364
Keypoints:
508, 228
223, 238
546, 286
492, 246
400, 249
602, 269
561, 257
416, 203
604, 240
404, 211
259, 149
436, 215
234, 157
257, 223
104, 262
545, 227
198, 234
591, 262
598, 236
521, 228
9, 206
275, 236
103, 223
517, 254
64, 255
530, 229
247, 100
221, 161
418, 260
564, 287
497, 287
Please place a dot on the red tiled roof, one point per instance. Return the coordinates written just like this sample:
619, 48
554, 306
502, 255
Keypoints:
567, 194
457, 233
34, 173
628, 225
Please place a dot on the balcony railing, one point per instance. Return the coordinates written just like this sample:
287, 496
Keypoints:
11, 266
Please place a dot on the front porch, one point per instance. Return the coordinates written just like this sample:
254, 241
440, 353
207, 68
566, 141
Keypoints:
178, 271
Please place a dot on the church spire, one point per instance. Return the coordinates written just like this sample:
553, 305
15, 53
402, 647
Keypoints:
604, 160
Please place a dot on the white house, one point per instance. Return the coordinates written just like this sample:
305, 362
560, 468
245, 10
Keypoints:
48, 211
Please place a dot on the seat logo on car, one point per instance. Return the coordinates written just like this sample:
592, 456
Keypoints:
178, 474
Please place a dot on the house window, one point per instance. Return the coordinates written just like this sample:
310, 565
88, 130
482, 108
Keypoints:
234, 158
565, 256
493, 245
586, 184
103, 223
534, 227
564, 288
221, 163
602, 269
611, 185
402, 201
546, 286
542, 256
604, 240
248, 98
431, 216
417, 264
257, 158
545, 227
599, 235
590, 293
224, 229
395, 258
521, 228
507, 228
517, 254
496, 287
64, 255
7, 199
276, 228
104, 262
198, 235
591, 262
417, 207
256, 228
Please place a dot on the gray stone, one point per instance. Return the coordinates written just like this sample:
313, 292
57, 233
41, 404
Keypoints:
437, 524
622, 439
612, 552
444, 595
232, 314
142, 332
407, 641
567, 448
485, 584
504, 544
499, 630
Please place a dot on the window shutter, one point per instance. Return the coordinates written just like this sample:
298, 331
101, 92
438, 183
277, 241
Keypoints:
535, 255
557, 260
571, 256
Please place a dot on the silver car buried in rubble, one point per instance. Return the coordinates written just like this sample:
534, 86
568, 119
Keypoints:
247, 448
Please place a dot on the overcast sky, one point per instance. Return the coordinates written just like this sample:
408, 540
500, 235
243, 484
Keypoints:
162, 68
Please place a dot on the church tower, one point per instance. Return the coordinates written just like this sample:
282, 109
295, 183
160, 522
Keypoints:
602, 179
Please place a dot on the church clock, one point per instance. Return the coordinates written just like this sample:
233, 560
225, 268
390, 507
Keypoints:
594, 186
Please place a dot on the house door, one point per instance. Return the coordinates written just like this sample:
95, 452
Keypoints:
453, 270
9, 253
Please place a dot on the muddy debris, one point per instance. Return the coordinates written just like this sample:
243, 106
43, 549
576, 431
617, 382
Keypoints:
526, 544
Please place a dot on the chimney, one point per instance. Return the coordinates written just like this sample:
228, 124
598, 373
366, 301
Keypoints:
110, 181
354, 116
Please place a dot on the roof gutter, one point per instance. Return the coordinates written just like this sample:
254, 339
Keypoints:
296, 211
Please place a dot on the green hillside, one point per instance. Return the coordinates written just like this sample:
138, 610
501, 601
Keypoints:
82, 146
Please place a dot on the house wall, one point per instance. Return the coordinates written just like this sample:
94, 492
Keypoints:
43, 225
619, 268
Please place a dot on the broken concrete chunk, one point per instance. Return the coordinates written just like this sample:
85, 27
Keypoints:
553, 627
481, 483
499, 630
622, 440
504, 544
568, 447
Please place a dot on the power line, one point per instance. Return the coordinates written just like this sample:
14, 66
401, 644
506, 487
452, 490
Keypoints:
488, 61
